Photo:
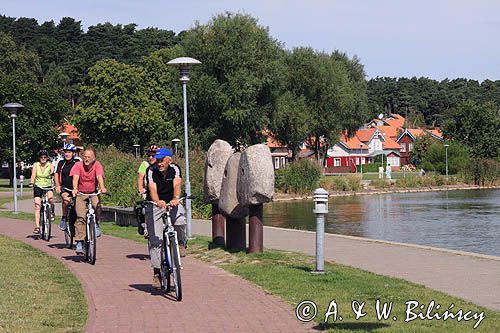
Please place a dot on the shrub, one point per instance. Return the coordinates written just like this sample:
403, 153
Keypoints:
482, 171
341, 183
298, 177
380, 183
409, 182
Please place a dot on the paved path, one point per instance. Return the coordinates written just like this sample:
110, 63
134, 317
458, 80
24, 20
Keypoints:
472, 277
120, 297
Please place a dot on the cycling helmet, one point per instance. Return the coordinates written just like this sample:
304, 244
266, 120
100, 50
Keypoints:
43, 152
70, 147
153, 149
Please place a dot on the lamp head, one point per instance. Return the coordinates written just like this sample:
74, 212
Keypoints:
13, 108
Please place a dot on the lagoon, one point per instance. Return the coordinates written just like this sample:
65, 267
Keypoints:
464, 220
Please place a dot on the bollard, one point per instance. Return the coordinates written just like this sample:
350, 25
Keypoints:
255, 229
320, 209
21, 181
217, 226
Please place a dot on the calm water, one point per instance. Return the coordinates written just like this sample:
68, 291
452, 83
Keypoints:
466, 220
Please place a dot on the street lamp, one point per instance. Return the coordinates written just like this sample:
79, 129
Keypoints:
63, 136
136, 146
184, 63
175, 145
446, 158
361, 159
13, 108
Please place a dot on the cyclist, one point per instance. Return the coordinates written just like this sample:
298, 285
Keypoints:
141, 183
87, 175
164, 186
141, 173
63, 179
41, 176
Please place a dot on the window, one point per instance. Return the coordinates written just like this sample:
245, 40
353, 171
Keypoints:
410, 146
283, 162
336, 162
403, 147
276, 162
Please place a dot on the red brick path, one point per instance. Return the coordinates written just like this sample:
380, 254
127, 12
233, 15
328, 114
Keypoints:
120, 297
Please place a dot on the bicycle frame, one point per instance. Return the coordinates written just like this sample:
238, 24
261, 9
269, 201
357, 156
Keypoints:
90, 237
44, 208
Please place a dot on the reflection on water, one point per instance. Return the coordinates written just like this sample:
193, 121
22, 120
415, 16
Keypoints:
466, 220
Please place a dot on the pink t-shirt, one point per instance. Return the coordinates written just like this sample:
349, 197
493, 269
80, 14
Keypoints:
87, 183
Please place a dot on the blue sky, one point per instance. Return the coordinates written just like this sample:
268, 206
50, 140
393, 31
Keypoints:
433, 38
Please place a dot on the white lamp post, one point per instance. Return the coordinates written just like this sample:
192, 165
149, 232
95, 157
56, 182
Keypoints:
64, 136
361, 159
13, 108
184, 63
175, 145
446, 158
136, 146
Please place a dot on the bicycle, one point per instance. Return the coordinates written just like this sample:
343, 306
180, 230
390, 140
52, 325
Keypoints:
170, 266
90, 241
69, 232
45, 214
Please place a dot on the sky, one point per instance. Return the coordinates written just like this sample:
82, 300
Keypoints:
437, 39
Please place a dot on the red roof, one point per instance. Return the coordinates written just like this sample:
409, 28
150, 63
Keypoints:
390, 143
365, 135
395, 120
388, 131
352, 143
71, 130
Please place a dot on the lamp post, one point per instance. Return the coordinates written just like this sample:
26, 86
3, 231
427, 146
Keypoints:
184, 63
64, 137
175, 145
13, 108
136, 146
361, 159
446, 159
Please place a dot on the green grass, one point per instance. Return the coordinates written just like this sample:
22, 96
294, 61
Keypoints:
288, 275
394, 175
37, 293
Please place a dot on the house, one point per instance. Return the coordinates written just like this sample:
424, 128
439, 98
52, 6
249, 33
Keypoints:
280, 153
382, 136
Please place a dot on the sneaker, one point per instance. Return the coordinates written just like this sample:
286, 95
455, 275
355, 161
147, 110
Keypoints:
52, 217
79, 248
97, 230
182, 250
156, 281
63, 225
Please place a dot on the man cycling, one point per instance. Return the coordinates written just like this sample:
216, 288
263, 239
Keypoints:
141, 173
64, 182
41, 176
87, 175
164, 186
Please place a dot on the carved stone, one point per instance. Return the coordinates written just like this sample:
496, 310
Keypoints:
228, 200
215, 162
255, 176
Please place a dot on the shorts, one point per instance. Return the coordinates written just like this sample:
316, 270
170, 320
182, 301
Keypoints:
37, 192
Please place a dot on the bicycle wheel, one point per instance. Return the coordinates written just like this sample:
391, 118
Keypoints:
48, 224
91, 241
68, 236
176, 268
42, 222
164, 268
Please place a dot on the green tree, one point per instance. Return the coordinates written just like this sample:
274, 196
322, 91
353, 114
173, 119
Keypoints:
435, 158
235, 87
476, 126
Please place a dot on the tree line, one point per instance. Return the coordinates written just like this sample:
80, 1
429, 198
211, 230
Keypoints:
113, 83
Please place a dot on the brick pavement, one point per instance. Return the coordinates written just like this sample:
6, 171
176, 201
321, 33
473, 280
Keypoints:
120, 297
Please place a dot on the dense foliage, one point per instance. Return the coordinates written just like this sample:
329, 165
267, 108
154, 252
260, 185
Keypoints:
300, 177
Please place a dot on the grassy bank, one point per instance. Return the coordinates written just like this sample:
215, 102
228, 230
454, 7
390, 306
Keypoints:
39, 294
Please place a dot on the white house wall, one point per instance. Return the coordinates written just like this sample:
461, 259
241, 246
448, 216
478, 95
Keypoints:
337, 151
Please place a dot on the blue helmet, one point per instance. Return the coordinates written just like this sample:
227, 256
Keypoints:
70, 147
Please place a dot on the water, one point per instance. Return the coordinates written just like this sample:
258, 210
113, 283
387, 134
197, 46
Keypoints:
467, 220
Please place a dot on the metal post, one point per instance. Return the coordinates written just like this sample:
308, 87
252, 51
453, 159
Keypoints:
320, 209
21, 181
186, 152
14, 159
255, 229
217, 226
446, 154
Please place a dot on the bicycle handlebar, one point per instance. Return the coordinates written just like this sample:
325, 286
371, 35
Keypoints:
169, 206
45, 188
92, 194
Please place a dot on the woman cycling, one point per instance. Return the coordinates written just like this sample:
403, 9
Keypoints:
41, 176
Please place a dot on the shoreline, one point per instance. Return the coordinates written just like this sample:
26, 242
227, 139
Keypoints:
284, 197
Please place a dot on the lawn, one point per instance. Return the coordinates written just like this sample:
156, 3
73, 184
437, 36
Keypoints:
39, 294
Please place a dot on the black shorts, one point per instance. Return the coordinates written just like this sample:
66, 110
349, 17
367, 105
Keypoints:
37, 192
